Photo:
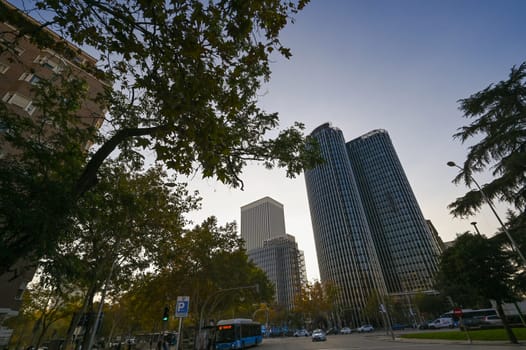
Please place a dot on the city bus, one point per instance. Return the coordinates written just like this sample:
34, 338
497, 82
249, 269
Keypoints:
238, 333
471, 313
471, 317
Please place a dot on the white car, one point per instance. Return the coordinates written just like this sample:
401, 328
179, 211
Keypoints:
443, 322
345, 330
365, 328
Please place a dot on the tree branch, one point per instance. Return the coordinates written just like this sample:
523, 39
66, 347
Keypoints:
88, 178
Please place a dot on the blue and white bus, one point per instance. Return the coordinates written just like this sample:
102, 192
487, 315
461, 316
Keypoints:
238, 333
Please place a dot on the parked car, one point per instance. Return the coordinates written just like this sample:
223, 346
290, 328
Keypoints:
365, 328
318, 335
425, 324
493, 319
442, 322
345, 330
301, 333
397, 327
470, 323
332, 330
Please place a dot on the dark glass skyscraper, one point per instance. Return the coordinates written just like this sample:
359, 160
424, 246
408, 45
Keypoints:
371, 237
344, 244
407, 249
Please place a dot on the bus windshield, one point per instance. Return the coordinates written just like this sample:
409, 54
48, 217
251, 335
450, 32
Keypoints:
225, 334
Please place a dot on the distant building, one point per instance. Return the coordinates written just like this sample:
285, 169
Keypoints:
22, 64
371, 237
284, 265
272, 250
261, 220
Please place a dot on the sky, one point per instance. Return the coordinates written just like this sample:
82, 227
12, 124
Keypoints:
398, 65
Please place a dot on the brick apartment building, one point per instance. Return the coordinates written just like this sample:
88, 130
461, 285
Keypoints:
22, 65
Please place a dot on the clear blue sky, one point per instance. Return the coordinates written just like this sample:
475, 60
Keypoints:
398, 65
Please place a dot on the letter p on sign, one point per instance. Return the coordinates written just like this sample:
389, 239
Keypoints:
182, 306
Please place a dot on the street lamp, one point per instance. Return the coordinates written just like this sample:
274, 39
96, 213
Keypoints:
203, 308
514, 245
474, 223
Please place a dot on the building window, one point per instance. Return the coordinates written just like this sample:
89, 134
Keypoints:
19, 51
49, 63
3, 68
30, 78
20, 101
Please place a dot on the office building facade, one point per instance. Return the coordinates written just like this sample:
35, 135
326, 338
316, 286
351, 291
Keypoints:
346, 253
261, 220
272, 250
407, 248
371, 237
284, 265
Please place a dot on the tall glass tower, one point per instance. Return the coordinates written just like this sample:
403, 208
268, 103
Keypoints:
371, 237
407, 249
344, 244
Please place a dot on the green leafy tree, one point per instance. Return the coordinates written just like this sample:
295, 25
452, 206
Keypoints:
498, 125
49, 306
477, 269
34, 178
121, 229
207, 263
316, 302
431, 306
186, 77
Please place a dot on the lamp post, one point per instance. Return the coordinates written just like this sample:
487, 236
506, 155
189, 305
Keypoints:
203, 308
474, 223
514, 245
266, 318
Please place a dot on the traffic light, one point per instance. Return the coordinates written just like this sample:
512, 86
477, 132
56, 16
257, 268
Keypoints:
166, 314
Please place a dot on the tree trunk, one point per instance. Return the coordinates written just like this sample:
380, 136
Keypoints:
75, 321
509, 331
91, 320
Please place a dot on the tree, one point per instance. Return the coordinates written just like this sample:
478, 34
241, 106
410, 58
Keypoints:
48, 306
122, 227
207, 263
477, 267
186, 78
430, 306
499, 126
316, 302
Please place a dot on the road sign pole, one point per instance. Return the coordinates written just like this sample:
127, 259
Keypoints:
181, 311
179, 333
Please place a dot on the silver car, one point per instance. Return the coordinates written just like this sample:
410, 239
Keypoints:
318, 335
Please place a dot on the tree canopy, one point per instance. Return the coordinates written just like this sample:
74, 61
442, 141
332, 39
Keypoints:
185, 80
499, 126
476, 270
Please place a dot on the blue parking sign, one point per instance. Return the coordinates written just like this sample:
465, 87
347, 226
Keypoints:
182, 306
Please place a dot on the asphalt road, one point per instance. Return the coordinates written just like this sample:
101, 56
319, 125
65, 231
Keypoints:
377, 340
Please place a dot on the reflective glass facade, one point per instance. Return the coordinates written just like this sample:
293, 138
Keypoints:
371, 237
344, 244
407, 248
